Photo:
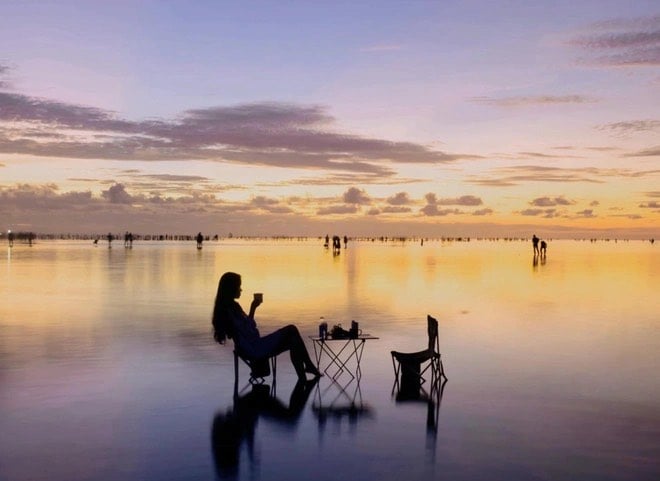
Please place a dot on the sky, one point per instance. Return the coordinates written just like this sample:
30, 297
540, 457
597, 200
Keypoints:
445, 118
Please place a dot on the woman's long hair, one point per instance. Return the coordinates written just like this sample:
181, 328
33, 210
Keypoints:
225, 304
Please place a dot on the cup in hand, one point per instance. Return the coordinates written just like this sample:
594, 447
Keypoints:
259, 297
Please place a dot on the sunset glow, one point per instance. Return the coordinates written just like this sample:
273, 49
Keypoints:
269, 118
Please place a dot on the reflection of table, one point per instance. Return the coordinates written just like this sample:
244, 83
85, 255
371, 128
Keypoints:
344, 402
342, 354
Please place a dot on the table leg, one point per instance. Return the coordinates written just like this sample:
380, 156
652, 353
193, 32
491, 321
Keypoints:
335, 359
353, 348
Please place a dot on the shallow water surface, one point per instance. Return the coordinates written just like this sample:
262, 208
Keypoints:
108, 369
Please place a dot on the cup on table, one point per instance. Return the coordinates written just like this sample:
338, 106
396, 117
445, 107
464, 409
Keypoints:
323, 330
259, 297
355, 330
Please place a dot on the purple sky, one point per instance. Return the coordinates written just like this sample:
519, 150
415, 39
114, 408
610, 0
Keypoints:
405, 118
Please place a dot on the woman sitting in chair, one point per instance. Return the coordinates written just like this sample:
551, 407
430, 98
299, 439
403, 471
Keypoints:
229, 320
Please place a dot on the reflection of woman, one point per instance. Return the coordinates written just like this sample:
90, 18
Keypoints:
229, 320
235, 426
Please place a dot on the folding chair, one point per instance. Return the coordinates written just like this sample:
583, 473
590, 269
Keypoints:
410, 368
260, 368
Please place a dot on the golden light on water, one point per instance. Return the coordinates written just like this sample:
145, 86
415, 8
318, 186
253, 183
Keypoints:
395, 278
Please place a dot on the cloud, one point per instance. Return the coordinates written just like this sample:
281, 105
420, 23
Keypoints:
431, 208
117, 195
651, 152
465, 200
167, 184
603, 149
650, 205
337, 209
356, 196
468, 200
261, 201
587, 213
515, 175
279, 209
431, 198
650, 21
4, 70
483, 212
192, 179
653, 194
21, 108
532, 212
631, 126
395, 209
594, 203
83, 179
386, 177
46, 209
550, 202
267, 133
400, 198
269, 205
621, 42
536, 100
492, 182
46, 197
547, 213
540, 155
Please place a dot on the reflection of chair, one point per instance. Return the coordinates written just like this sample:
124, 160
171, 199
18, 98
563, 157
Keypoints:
410, 367
260, 368
417, 395
431, 399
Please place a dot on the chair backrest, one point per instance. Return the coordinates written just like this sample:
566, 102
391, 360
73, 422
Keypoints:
434, 344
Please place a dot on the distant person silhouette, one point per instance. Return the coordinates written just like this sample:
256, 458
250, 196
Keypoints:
535, 244
345, 242
544, 248
327, 241
230, 320
200, 239
10, 238
336, 244
235, 426
110, 238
